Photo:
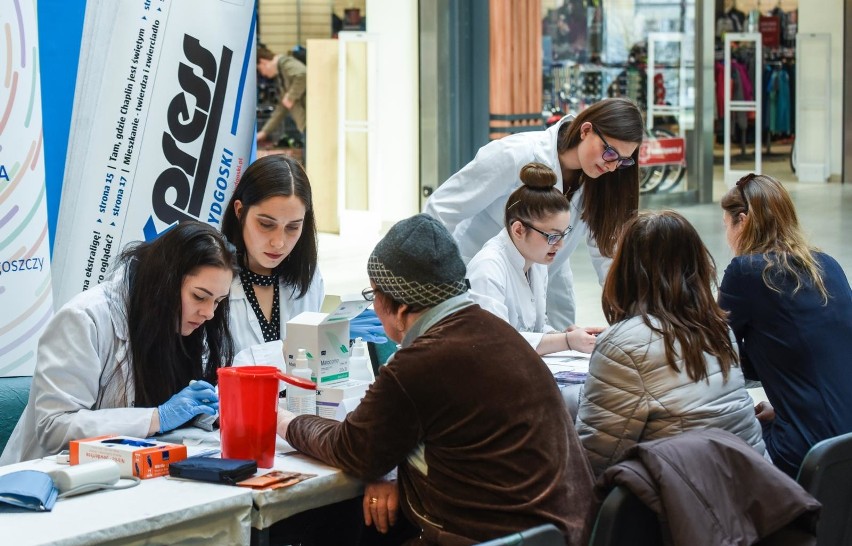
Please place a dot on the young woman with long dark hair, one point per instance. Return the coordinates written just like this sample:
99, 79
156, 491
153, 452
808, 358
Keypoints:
138, 353
270, 219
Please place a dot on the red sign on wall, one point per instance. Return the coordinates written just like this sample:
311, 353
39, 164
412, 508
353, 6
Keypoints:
662, 151
770, 29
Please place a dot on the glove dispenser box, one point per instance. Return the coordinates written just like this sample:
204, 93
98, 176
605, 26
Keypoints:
325, 337
143, 458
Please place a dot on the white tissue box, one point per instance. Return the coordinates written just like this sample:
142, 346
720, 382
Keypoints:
330, 397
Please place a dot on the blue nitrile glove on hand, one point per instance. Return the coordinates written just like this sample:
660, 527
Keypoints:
368, 327
199, 397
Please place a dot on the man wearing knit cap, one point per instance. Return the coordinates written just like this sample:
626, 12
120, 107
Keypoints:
417, 263
466, 411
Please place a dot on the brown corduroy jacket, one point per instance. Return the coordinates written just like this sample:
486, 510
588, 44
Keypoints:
475, 423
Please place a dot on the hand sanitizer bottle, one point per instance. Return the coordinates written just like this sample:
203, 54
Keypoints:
360, 366
302, 401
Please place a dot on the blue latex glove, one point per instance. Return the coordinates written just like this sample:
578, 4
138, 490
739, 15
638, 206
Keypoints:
199, 397
368, 327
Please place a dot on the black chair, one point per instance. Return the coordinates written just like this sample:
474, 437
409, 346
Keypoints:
624, 520
543, 535
826, 473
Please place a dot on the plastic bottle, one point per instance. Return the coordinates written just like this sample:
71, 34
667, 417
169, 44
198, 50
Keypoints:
360, 366
301, 401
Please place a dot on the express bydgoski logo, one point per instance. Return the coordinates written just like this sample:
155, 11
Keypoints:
187, 175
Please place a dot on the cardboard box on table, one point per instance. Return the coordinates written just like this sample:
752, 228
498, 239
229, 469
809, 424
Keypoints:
143, 458
331, 397
325, 337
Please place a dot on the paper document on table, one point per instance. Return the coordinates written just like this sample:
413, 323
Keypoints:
567, 361
264, 354
275, 479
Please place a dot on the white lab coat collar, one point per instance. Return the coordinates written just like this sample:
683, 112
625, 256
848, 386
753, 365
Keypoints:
244, 325
547, 154
513, 255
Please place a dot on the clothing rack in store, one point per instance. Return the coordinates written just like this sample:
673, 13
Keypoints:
777, 68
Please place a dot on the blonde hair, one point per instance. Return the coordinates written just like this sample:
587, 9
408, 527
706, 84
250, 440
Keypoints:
771, 228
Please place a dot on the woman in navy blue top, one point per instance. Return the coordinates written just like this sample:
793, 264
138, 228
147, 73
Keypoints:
790, 307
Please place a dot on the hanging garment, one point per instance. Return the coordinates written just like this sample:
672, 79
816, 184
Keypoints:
784, 107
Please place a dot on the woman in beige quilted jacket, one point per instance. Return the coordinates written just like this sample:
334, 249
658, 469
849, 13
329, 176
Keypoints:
668, 362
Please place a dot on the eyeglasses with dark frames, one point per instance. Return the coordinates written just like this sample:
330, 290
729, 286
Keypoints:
552, 238
368, 293
741, 183
610, 154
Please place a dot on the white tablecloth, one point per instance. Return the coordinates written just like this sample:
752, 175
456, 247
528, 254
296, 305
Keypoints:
157, 511
329, 486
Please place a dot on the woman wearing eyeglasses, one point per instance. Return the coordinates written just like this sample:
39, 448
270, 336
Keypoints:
790, 307
595, 158
509, 275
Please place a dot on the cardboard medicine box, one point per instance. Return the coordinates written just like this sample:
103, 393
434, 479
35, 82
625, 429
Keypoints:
330, 397
143, 458
325, 337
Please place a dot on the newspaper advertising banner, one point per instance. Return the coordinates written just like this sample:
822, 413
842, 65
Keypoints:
25, 291
163, 124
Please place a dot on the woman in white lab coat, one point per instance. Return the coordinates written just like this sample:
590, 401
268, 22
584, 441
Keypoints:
270, 219
595, 159
509, 275
119, 357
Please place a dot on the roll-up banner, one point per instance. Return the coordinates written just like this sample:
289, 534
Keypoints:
162, 127
25, 291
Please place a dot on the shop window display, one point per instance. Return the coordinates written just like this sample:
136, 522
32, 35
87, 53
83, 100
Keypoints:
595, 49
777, 23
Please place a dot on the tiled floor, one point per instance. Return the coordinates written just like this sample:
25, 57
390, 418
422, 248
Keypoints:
825, 211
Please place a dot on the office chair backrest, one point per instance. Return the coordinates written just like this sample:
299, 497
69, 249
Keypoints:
624, 520
14, 394
543, 535
826, 473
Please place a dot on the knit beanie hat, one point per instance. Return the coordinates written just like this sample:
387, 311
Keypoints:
418, 263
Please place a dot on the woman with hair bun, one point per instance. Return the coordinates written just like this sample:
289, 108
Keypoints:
509, 275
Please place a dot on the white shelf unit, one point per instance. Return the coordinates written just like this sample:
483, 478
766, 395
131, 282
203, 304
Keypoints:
360, 220
679, 110
813, 107
731, 176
